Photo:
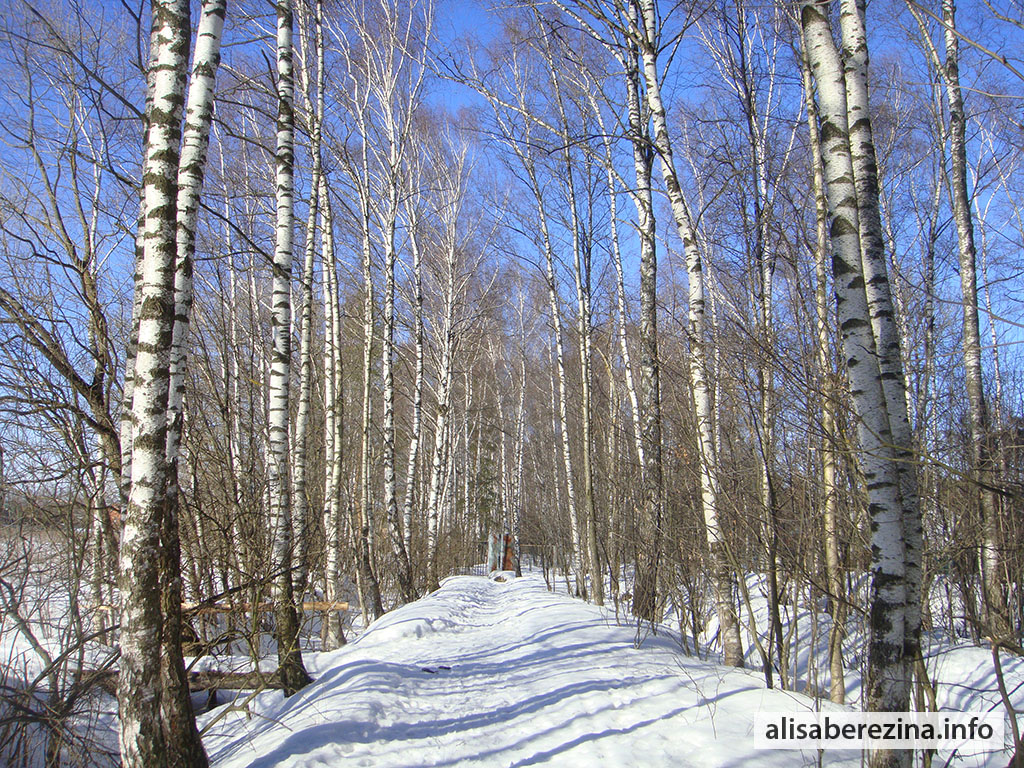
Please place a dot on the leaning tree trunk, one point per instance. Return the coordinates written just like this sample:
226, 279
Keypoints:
888, 688
722, 571
143, 740
880, 304
178, 717
291, 670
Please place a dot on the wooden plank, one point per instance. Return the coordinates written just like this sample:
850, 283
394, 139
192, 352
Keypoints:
197, 609
197, 681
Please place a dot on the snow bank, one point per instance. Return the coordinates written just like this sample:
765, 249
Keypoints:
484, 673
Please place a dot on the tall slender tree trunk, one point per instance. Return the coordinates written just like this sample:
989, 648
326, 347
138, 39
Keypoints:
620, 288
417, 397
889, 652
880, 304
588, 549
649, 448
403, 569
562, 407
369, 589
178, 717
983, 466
518, 461
439, 466
647, 38
143, 739
291, 670
334, 398
829, 436
300, 495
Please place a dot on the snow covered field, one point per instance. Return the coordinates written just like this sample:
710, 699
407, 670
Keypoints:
483, 673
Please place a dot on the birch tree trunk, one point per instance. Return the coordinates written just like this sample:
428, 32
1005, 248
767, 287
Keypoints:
143, 740
177, 712
300, 500
650, 450
291, 670
520, 445
334, 418
369, 589
417, 397
879, 296
438, 463
888, 687
829, 458
621, 315
983, 466
588, 549
647, 37
403, 567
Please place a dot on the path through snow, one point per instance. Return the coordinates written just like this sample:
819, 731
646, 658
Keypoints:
507, 674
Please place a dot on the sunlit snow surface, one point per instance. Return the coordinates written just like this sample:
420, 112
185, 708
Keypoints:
483, 673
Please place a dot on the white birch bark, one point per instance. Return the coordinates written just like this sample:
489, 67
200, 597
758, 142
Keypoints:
417, 398
300, 500
620, 279
142, 738
363, 514
438, 461
829, 436
562, 408
888, 671
587, 544
399, 554
647, 37
520, 448
177, 706
367, 581
983, 465
291, 670
334, 419
879, 296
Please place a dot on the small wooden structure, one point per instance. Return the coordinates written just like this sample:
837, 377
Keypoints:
501, 555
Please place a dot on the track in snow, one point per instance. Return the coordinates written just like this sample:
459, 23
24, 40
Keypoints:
481, 673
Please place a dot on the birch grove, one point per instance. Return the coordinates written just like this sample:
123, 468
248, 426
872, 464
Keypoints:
703, 313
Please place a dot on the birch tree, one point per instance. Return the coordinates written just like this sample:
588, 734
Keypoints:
829, 437
395, 75
644, 28
291, 670
879, 452
178, 719
334, 384
983, 466
884, 322
315, 110
140, 685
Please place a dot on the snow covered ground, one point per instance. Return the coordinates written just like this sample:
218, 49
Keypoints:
483, 673
509, 674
